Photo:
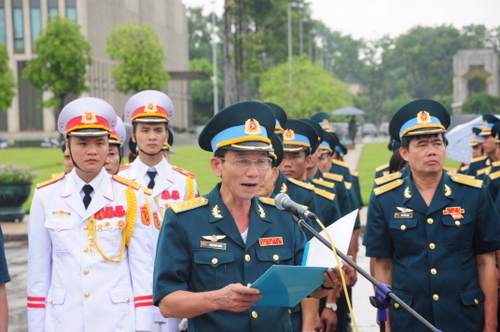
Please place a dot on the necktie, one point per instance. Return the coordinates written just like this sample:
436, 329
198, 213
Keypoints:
152, 175
87, 189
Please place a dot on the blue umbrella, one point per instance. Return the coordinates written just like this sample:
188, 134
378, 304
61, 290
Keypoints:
348, 111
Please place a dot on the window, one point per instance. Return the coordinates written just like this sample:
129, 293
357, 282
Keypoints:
36, 20
17, 21
71, 9
2, 22
53, 8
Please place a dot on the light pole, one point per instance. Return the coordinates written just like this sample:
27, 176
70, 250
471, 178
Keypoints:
289, 13
302, 20
214, 62
311, 33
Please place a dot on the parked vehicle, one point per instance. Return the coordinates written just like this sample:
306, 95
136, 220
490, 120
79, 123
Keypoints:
51, 143
384, 129
370, 129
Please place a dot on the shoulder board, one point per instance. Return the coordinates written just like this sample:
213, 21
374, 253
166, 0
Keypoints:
450, 169
388, 178
485, 170
464, 168
53, 180
354, 173
462, 175
386, 187
385, 173
267, 200
189, 204
495, 175
147, 191
325, 194
56, 175
332, 176
348, 185
124, 166
183, 171
324, 183
467, 181
382, 167
301, 184
340, 163
473, 160
495, 163
127, 182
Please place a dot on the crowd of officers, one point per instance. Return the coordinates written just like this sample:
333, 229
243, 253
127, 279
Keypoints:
136, 248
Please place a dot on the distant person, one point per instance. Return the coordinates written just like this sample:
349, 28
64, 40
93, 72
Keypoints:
351, 129
4, 278
116, 140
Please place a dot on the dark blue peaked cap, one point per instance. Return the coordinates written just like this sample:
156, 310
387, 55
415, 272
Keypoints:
280, 115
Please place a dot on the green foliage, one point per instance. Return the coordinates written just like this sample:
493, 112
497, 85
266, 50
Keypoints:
313, 89
202, 93
60, 65
140, 57
481, 103
7, 82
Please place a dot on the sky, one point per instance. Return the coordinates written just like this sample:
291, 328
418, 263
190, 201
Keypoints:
372, 19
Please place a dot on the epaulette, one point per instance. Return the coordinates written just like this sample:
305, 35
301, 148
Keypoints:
354, 173
385, 173
386, 187
325, 194
335, 177
57, 175
494, 175
470, 182
495, 163
189, 204
460, 174
348, 185
384, 179
340, 163
301, 184
267, 200
147, 191
473, 160
324, 183
127, 182
124, 166
464, 168
183, 171
381, 167
485, 170
53, 180
450, 169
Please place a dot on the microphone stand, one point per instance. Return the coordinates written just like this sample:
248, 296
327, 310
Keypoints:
382, 292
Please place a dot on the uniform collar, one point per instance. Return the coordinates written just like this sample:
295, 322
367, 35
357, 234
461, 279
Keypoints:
442, 196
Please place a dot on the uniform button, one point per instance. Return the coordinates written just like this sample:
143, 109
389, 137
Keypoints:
86, 250
457, 223
215, 261
434, 271
85, 228
255, 314
247, 258
249, 284
396, 305
87, 294
435, 297
127, 299
403, 227
276, 257
476, 301
58, 227
85, 272
289, 311
432, 246
430, 221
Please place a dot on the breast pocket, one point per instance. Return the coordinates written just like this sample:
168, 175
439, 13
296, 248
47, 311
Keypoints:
458, 233
404, 235
273, 255
109, 240
214, 269
60, 231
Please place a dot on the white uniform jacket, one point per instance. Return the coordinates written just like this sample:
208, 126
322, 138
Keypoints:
71, 287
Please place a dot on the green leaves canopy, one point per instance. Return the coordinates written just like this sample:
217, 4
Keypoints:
7, 82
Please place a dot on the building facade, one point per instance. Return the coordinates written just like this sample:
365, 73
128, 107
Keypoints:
21, 22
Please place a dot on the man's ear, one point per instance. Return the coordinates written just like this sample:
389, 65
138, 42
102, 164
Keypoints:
216, 164
132, 136
404, 153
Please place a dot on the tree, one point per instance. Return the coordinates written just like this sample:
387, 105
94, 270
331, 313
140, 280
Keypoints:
7, 82
481, 103
313, 89
140, 57
202, 93
61, 61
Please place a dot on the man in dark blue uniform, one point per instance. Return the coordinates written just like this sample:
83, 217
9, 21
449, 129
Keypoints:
489, 146
211, 248
433, 235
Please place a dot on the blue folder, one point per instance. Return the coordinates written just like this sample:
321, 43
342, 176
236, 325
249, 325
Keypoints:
287, 285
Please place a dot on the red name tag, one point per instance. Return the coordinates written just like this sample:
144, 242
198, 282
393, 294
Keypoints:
271, 241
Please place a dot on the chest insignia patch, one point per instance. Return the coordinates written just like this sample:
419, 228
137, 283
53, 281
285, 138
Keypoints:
455, 212
214, 238
271, 241
61, 213
216, 212
404, 213
407, 193
213, 245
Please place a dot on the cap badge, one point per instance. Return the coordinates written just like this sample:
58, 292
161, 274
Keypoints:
326, 123
252, 127
150, 108
289, 135
89, 118
485, 124
423, 117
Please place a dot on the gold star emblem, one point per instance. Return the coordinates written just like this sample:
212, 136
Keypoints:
252, 127
423, 117
150, 108
289, 135
88, 118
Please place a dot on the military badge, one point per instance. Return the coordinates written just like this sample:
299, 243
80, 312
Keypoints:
261, 211
284, 188
252, 127
145, 216
289, 135
121, 223
156, 220
88, 118
216, 212
214, 238
61, 213
404, 213
447, 190
407, 193
271, 241
150, 108
423, 117
455, 212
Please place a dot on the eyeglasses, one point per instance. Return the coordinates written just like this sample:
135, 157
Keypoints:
243, 163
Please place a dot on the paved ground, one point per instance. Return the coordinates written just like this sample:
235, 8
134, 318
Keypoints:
16, 247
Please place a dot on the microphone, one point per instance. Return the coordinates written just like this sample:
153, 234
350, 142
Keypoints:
284, 202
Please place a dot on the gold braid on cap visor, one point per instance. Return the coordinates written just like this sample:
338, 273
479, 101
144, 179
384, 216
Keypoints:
70, 130
421, 129
235, 141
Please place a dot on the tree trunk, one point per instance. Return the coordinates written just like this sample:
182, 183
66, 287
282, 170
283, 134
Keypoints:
230, 80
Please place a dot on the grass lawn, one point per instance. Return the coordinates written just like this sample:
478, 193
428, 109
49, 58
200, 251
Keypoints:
372, 156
